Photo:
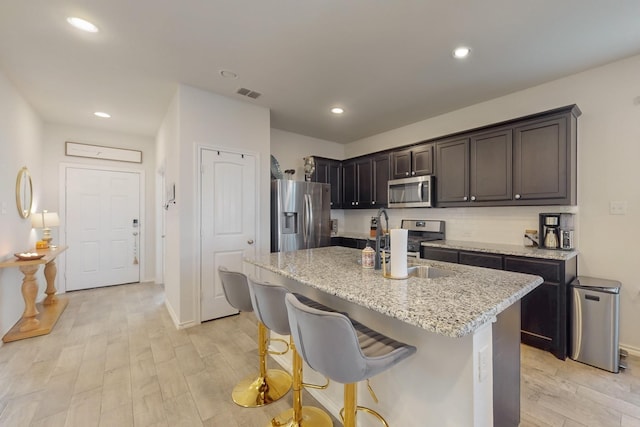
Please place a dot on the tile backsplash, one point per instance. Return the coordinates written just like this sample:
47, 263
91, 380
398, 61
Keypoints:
503, 225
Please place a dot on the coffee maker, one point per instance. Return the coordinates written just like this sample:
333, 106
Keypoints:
556, 231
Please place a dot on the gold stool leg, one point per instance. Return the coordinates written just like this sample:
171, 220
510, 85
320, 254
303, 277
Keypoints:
348, 413
268, 387
298, 415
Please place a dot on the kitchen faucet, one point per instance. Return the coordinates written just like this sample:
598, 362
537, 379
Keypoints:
378, 258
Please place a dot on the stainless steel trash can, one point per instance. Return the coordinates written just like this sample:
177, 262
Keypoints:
595, 312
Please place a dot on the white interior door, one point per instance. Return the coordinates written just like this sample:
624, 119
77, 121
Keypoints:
103, 238
228, 223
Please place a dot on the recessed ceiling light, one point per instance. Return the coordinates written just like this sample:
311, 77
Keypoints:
461, 52
82, 24
337, 110
102, 114
228, 74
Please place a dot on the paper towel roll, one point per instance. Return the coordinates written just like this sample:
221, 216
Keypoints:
399, 252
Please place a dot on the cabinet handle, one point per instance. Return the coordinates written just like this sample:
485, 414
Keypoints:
413, 172
331, 204
517, 196
473, 198
357, 203
465, 198
353, 203
406, 173
373, 202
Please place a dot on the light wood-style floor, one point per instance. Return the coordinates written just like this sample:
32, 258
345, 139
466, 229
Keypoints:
115, 359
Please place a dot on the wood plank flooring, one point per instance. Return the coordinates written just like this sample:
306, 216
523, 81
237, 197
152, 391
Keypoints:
115, 359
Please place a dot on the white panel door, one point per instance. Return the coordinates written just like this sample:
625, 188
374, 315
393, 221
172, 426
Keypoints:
228, 217
101, 207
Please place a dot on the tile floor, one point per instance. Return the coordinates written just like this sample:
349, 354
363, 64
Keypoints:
115, 359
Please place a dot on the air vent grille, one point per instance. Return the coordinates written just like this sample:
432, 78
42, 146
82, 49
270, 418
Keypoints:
248, 93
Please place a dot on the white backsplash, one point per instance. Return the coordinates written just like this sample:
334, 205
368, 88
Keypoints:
504, 225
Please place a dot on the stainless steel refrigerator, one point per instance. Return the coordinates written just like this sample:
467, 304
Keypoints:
300, 215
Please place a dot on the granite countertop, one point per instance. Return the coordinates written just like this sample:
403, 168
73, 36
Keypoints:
453, 306
496, 248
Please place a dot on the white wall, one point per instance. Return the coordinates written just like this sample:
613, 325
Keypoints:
207, 119
21, 144
290, 149
55, 136
608, 153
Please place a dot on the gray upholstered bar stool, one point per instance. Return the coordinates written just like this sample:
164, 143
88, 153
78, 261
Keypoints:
343, 350
269, 307
270, 384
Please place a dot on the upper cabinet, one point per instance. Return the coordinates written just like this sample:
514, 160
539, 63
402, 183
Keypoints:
530, 161
357, 183
381, 171
414, 161
329, 171
452, 164
545, 160
526, 161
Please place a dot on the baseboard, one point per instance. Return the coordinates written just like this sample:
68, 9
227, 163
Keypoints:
174, 318
633, 351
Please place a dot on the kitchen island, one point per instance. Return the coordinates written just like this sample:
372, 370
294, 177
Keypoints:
465, 326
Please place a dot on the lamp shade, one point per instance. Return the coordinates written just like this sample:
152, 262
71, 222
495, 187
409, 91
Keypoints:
45, 219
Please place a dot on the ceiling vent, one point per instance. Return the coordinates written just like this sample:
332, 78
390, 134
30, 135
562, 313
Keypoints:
248, 92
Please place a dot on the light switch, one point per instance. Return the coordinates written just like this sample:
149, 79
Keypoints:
618, 208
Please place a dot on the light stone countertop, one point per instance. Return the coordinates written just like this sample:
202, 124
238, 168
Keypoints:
453, 306
496, 248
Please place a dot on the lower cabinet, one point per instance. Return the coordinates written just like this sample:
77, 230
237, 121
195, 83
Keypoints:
349, 242
544, 316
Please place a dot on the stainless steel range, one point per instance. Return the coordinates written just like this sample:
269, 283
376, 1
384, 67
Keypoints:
421, 231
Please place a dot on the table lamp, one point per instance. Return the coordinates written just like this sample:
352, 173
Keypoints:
45, 220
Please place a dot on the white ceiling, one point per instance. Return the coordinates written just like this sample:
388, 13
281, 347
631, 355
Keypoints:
387, 63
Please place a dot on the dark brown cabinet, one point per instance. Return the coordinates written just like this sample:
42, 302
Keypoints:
414, 161
452, 171
329, 171
544, 310
380, 179
357, 183
490, 162
529, 161
545, 160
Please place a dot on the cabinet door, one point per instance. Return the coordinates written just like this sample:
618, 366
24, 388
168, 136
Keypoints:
452, 171
364, 183
490, 166
380, 180
544, 310
329, 171
540, 160
422, 160
481, 260
349, 190
335, 179
437, 254
401, 164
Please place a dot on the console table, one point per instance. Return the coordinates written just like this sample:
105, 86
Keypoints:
37, 319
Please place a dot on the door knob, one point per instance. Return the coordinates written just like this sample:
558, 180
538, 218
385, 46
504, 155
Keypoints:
250, 242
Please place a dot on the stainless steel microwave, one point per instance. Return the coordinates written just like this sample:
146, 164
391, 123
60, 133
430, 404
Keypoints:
413, 192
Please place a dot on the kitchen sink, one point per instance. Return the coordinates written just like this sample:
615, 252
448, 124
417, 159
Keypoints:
427, 272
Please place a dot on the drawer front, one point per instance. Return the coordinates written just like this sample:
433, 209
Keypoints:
478, 259
446, 255
550, 271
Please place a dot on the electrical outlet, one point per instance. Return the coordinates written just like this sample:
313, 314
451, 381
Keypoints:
617, 208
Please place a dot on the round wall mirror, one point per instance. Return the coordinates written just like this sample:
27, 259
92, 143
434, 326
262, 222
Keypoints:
24, 193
